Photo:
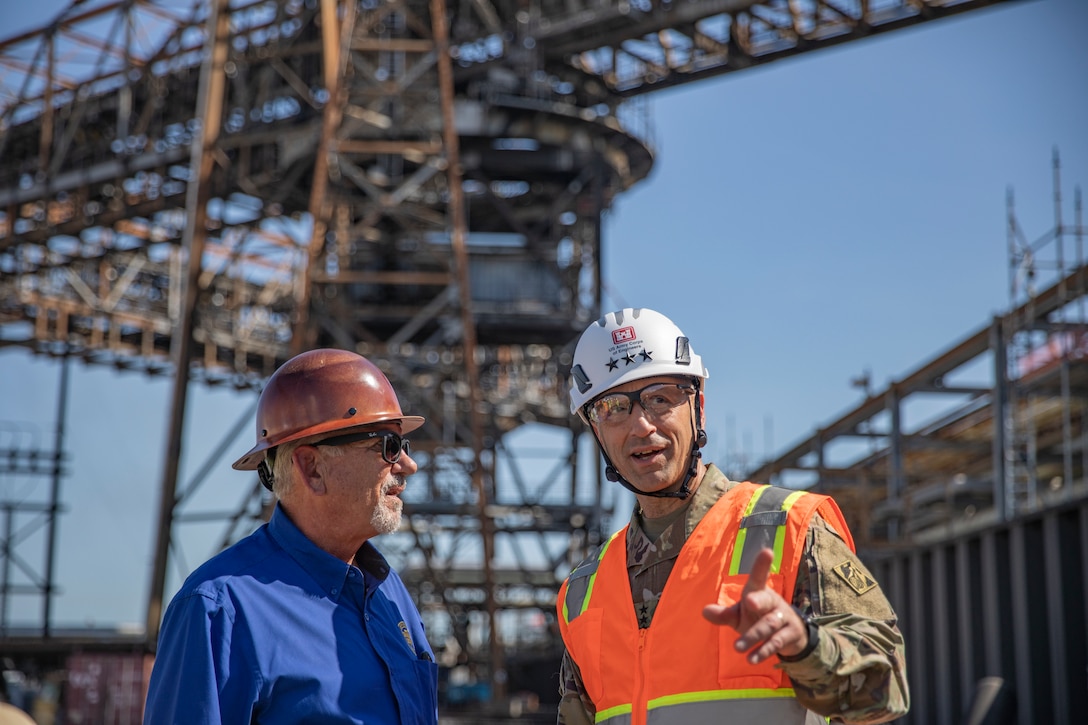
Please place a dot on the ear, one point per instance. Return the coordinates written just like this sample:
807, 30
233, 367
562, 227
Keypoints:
311, 472
702, 410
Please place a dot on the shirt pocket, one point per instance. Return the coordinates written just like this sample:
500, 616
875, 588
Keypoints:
734, 670
426, 672
584, 644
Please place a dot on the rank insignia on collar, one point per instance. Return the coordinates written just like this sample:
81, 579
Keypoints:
855, 578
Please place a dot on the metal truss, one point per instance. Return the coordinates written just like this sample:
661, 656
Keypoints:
216, 205
1007, 435
638, 46
31, 473
210, 186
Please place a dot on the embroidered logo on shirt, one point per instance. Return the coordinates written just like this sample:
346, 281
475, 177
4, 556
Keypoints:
407, 635
858, 580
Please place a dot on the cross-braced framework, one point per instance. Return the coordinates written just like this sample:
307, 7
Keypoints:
32, 468
999, 420
208, 187
273, 177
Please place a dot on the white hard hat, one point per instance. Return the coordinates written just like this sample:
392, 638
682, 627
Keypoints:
629, 344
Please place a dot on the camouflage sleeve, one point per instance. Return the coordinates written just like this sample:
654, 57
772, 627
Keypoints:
575, 707
857, 673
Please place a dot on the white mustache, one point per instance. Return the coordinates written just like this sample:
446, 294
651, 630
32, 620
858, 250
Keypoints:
396, 482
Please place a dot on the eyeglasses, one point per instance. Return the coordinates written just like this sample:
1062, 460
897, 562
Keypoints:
656, 399
392, 443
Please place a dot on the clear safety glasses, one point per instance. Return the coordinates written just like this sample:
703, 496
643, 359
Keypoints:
656, 399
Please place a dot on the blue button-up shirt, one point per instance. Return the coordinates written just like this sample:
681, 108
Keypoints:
275, 630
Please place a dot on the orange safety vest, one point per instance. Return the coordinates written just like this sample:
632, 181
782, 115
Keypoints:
683, 669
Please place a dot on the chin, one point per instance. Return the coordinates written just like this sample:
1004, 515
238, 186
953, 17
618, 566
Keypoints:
652, 485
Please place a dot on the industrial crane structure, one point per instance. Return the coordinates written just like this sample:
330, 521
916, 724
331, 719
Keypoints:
230, 182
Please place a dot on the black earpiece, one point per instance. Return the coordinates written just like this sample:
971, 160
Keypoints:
700, 438
265, 474
611, 474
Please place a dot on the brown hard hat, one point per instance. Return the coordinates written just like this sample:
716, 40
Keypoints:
318, 392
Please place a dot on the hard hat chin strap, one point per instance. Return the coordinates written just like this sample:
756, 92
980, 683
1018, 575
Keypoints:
264, 469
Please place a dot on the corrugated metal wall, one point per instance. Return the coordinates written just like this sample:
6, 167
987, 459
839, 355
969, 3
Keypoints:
105, 688
1009, 601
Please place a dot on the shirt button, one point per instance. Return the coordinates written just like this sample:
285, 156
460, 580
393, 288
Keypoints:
366, 616
334, 591
351, 573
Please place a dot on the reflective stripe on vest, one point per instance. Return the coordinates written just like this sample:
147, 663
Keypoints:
619, 715
763, 526
736, 707
579, 584
705, 679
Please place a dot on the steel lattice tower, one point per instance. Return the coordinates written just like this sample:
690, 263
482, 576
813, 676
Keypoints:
211, 187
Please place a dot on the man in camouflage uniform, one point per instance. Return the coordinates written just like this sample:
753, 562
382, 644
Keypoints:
837, 639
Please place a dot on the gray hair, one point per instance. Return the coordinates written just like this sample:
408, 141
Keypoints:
283, 466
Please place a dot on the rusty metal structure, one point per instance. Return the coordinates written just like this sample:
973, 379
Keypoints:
974, 515
1005, 420
201, 188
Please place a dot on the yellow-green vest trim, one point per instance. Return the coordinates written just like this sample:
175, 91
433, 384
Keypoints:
683, 669
585, 574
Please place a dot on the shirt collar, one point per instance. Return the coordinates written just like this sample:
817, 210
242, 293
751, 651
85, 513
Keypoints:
712, 487
329, 572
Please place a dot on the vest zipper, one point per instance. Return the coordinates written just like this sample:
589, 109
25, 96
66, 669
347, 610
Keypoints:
639, 707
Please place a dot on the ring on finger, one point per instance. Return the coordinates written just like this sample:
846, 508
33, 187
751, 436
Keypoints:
780, 615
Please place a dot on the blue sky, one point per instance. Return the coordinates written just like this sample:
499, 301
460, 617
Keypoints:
833, 213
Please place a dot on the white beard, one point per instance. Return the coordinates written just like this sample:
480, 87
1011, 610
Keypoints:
386, 516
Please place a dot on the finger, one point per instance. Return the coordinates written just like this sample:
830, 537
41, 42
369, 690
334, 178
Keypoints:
772, 646
769, 636
722, 614
760, 630
760, 603
761, 570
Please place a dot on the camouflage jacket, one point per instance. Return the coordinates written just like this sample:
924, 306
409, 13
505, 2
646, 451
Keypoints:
857, 673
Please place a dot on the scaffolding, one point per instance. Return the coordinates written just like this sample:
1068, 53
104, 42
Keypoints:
227, 183
1008, 437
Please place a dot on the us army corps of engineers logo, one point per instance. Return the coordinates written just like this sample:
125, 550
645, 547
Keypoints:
857, 579
627, 349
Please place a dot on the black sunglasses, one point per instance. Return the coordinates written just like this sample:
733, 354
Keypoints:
393, 444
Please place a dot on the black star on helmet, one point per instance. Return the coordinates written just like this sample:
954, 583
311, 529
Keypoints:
645, 356
628, 359
612, 363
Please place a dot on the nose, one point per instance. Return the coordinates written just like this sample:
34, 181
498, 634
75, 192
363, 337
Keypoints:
406, 463
641, 419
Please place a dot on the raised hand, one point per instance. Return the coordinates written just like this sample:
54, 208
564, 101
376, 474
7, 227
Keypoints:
767, 623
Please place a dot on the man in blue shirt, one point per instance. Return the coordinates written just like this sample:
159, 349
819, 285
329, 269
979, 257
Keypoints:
304, 621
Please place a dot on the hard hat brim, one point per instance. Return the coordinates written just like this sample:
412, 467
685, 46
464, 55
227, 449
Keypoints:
252, 458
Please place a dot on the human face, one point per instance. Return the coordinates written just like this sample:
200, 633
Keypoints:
647, 441
371, 476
